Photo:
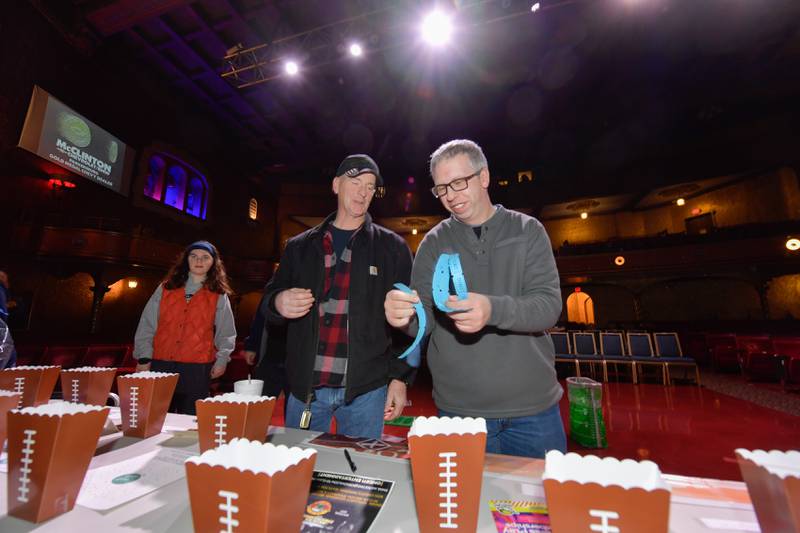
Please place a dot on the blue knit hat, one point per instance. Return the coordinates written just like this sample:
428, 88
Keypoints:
203, 245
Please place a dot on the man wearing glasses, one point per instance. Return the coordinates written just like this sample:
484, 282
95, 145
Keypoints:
490, 357
329, 289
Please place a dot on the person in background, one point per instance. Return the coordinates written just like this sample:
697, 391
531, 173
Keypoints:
266, 348
329, 290
8, 354
491, 357
187, 325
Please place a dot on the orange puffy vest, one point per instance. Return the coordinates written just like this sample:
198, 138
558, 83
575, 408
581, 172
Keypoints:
185, 331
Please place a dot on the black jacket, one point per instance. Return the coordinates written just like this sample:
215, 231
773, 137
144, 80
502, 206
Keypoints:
380, 259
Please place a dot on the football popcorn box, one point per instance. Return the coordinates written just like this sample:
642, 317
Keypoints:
144, 398
49, 450
87, 384
249, 486
447, 456
222, 418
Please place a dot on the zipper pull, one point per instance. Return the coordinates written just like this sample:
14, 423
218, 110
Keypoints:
305, 418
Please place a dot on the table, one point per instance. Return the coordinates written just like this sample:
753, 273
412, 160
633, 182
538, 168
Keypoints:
505, 477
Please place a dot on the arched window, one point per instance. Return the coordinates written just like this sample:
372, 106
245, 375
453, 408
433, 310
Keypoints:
580, 308
195, 197
176, 187
172, 182
154, 183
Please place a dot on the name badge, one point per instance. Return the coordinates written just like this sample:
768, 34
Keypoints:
373, 270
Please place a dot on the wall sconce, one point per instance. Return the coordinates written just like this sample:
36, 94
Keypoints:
132, 283
252, 211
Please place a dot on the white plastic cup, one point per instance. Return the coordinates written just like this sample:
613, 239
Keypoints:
250, 387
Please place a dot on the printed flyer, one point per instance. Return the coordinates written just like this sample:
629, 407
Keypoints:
519, 517
343, 503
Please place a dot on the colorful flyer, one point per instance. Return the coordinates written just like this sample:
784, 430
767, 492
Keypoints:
519, 517
343, 503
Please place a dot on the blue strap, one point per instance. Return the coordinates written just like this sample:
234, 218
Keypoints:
414, 350
446, 266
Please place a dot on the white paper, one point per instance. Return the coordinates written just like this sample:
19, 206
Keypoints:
4, 462
729, 525
108, 486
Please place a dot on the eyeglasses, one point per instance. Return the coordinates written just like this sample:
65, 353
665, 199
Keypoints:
458, 184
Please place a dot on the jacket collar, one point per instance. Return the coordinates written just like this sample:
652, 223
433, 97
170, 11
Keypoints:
319, 229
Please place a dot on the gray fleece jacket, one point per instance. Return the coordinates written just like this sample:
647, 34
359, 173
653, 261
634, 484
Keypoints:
508, 368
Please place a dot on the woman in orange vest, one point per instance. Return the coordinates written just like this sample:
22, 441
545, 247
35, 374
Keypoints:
187, 325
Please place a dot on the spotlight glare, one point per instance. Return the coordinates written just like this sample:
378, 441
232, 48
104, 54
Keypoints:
584, 215
793, 244
437, 28
619, 260
132, 283
291, 68
680, 201
414, 231
356, 50
535, 7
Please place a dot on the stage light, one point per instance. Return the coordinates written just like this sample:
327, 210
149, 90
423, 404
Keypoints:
436, 28
584, 215
414, 231
291, 68
619, 260
132, 283
793, 244
356, 50
535, 7
680, 201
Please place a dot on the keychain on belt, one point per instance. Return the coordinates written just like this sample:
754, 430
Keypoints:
305, 418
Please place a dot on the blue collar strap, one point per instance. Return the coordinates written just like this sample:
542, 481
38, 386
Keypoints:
414, 350
448, 265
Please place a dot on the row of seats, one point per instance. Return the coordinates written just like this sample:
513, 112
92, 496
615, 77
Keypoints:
757, 357
635, 350
119, 356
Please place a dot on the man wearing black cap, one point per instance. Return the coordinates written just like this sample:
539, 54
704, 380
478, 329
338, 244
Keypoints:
329, 289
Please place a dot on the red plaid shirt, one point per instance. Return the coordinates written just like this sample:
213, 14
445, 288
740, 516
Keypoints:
330, 366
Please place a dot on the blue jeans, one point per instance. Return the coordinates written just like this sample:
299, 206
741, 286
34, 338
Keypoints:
362, 417
525, 436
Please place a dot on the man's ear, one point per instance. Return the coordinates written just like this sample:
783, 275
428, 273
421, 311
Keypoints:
335, 185
485, 178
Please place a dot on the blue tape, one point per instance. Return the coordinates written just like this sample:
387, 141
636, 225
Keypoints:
447, 266
414, 352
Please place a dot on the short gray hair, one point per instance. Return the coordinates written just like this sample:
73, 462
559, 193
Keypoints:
457, 147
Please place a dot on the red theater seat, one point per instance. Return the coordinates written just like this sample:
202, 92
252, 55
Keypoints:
787, 350
105, 355
128, 363
64, 356
723, 350
757, 357
30, 354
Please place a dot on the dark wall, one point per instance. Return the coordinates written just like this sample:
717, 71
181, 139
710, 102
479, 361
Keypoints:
126, 98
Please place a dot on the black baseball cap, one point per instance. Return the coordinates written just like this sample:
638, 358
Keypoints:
357, 164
